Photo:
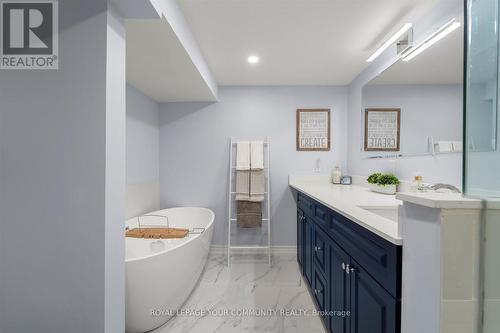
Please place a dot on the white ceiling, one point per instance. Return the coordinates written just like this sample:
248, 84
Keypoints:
159, 65
300, 42
442, 63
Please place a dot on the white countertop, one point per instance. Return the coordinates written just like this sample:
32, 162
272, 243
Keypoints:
348, 200
440, 200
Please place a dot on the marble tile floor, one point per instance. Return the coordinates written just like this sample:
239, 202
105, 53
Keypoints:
248, 284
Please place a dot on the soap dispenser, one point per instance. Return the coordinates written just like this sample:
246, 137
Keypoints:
336, 175
417, 184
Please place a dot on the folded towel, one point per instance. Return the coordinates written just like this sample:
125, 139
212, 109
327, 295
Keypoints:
257, 155
248, 207
243, 155
257, 185
242, 185
249, 214
250, 178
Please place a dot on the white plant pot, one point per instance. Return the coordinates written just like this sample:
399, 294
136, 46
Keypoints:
384, 189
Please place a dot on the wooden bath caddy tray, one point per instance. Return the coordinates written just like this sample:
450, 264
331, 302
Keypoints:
157, 233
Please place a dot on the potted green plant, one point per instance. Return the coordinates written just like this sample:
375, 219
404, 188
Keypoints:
385, 183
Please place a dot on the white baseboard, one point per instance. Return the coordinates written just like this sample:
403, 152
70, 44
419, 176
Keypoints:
222, 249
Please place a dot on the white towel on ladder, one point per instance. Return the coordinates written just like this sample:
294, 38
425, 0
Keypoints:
250, 179
257, 155
243, 155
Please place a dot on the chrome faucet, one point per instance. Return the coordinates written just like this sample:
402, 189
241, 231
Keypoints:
436, 187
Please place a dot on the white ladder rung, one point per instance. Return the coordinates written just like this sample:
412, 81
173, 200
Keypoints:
235, 192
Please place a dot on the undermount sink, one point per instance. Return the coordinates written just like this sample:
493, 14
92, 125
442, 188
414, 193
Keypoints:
390, 213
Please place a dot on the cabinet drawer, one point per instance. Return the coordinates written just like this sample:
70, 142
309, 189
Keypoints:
321, 215
320, 250
305, 203
379, 257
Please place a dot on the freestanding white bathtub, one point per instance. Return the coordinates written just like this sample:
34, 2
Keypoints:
161, 273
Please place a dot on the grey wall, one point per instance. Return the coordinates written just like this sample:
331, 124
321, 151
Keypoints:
143, 166
194, 147
143, 134
54, 209
426, 110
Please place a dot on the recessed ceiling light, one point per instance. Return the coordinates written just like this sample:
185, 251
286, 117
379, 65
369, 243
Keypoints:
253, 59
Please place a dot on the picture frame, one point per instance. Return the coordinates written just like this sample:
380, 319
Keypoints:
382, 129
313, 130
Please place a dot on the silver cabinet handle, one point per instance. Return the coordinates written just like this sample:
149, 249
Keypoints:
317, 291
343, 266
317, 248
350, 269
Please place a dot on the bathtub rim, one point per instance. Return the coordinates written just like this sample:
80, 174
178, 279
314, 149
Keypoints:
212, 220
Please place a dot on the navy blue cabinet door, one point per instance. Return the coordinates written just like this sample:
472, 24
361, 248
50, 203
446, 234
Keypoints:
321, 286
339, 288
300, 237
373, 309
320, 250
308, 259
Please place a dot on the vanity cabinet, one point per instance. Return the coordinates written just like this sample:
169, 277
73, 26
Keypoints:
348, 268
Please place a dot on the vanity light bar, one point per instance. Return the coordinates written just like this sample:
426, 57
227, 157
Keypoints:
390, 41
443, 31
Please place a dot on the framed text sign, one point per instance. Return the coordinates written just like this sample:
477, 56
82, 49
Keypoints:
313, 129
382, 127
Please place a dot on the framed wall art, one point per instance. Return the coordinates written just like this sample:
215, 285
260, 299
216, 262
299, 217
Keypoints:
313, 130
382, 129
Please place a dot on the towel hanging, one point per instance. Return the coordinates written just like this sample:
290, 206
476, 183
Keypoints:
242, 185
257, 185
249, 214
243, 155
257, 155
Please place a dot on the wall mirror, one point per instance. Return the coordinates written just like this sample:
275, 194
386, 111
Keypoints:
428, 91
